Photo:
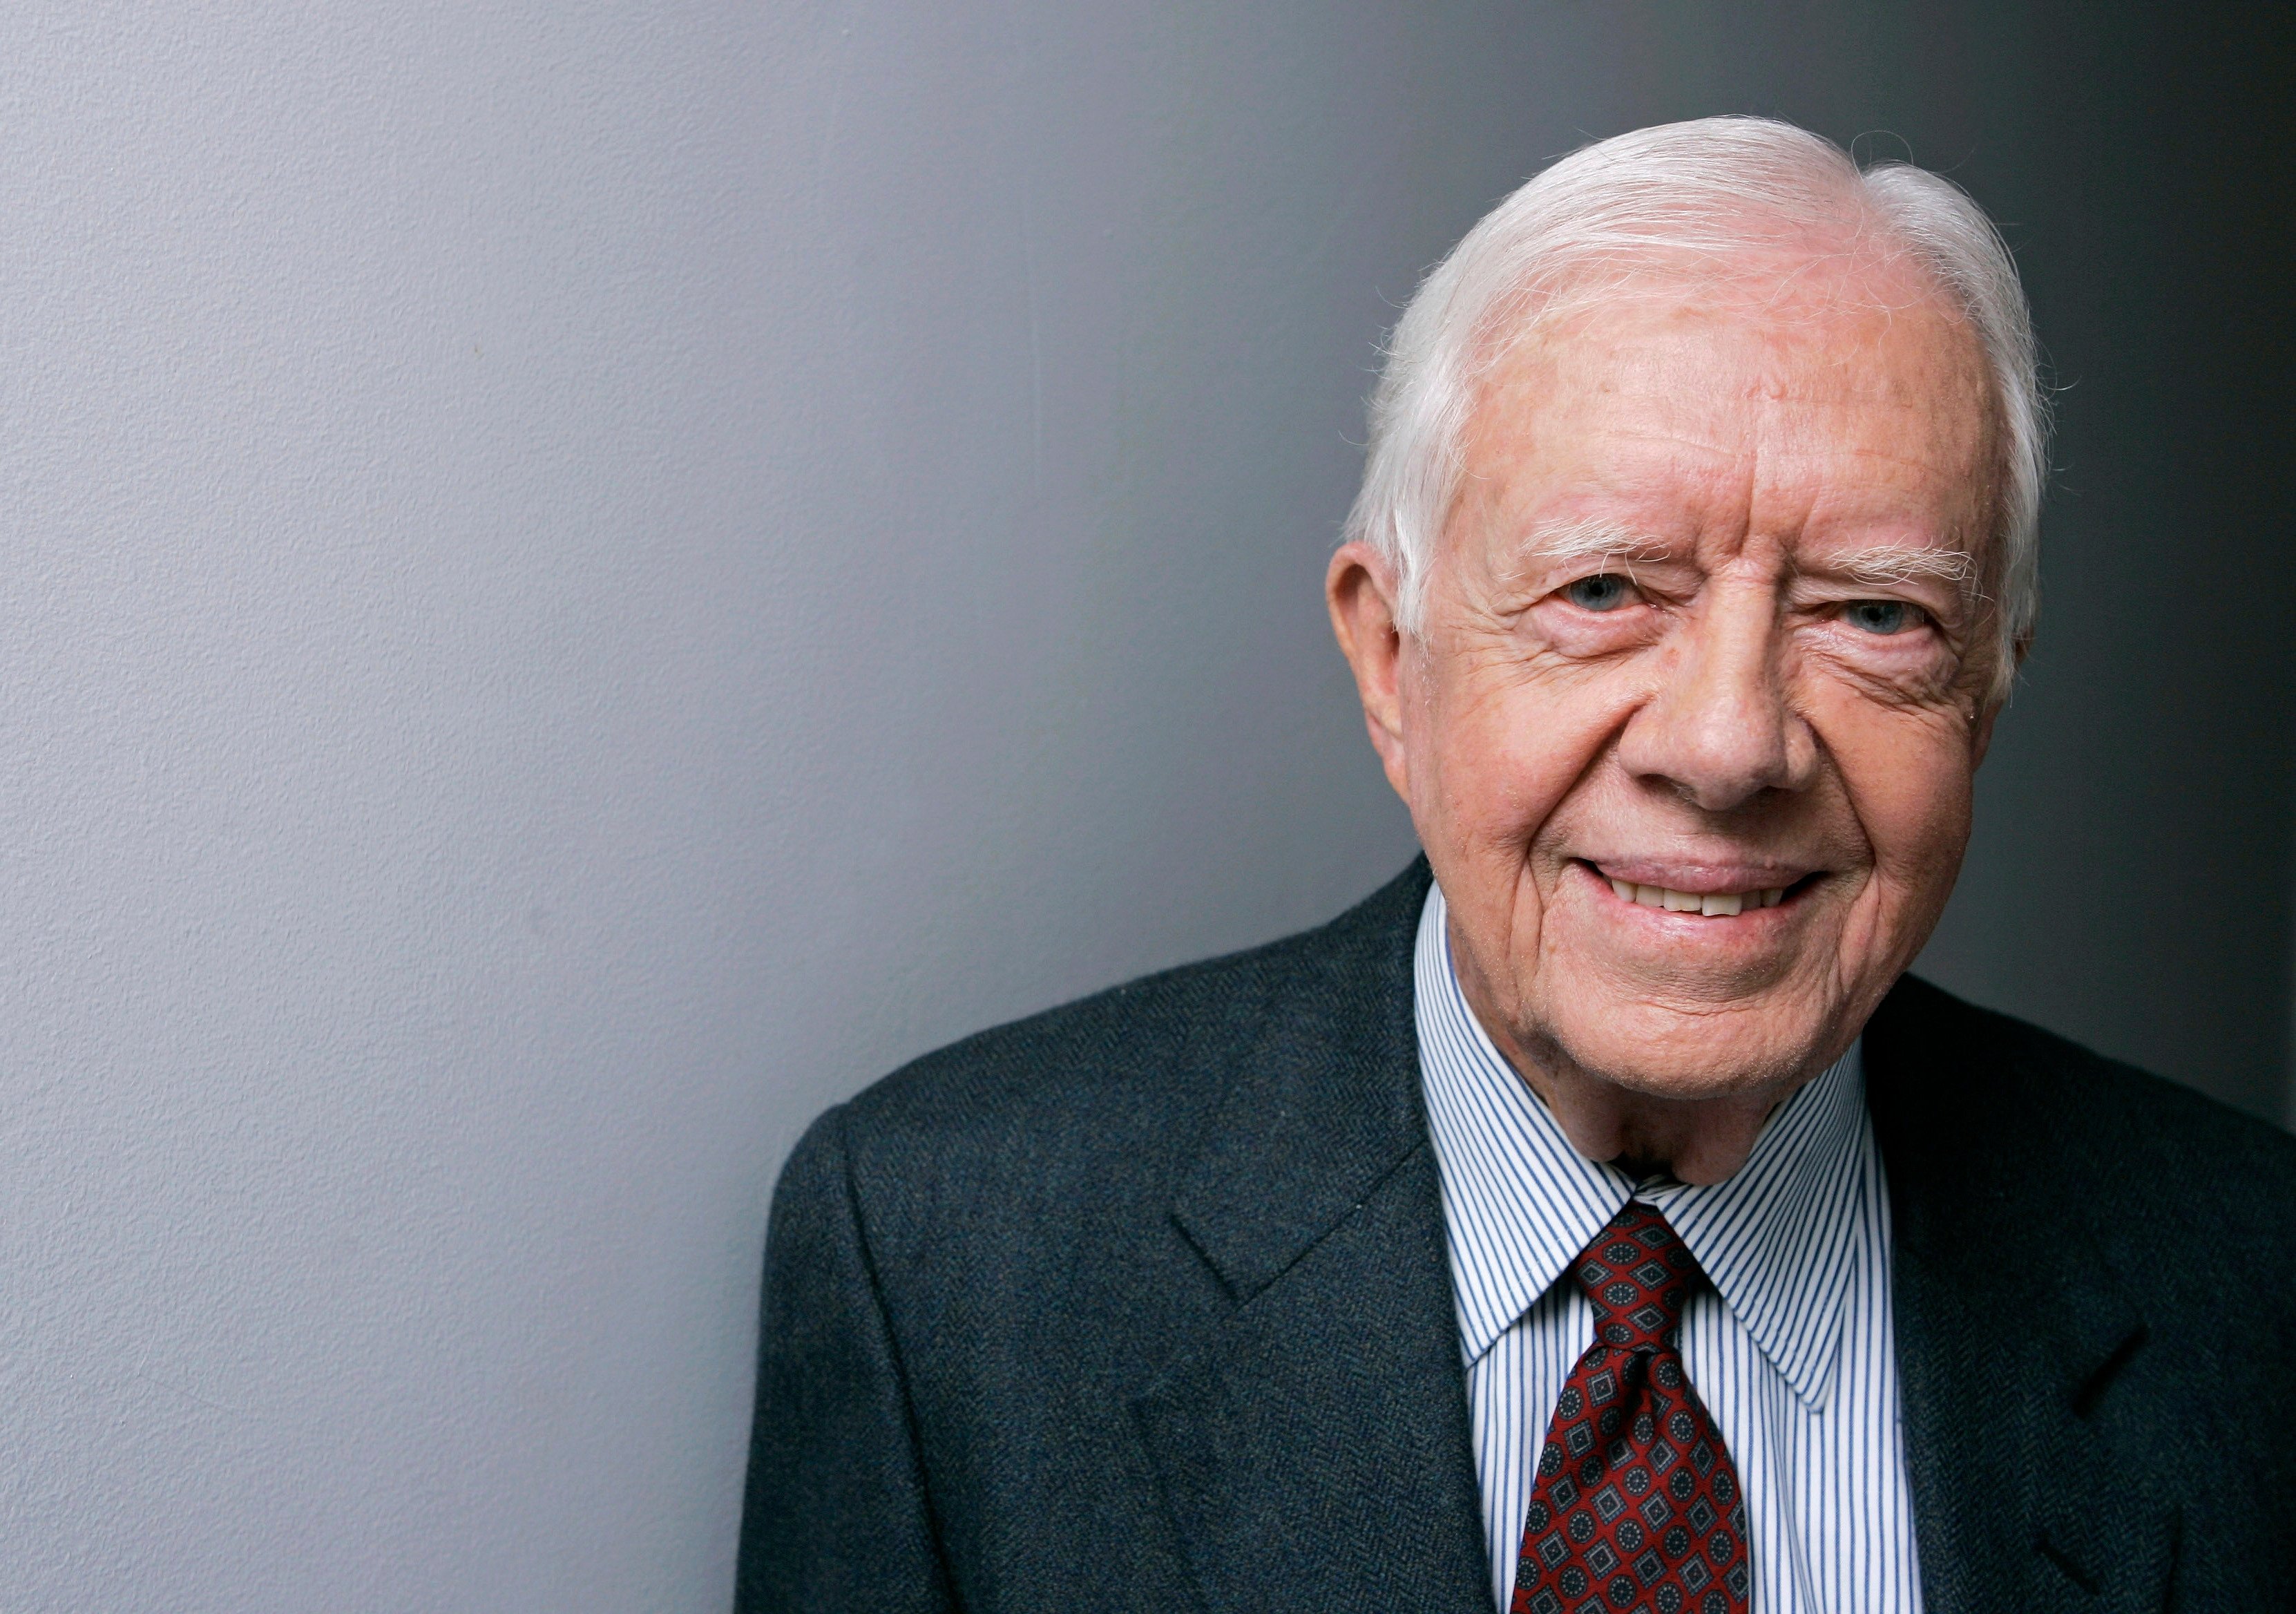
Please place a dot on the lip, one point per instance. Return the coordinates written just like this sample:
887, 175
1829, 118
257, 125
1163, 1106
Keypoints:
1753, 923
1699, 878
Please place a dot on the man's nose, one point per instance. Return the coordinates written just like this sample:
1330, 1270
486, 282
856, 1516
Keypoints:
1719, 728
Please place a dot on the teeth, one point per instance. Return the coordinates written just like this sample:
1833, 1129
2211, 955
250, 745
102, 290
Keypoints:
1712, 904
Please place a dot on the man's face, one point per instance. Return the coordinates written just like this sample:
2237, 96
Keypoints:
1705, 626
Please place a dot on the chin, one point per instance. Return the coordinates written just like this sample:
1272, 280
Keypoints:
1686, 1056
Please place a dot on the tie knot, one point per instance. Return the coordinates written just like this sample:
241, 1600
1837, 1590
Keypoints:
1637, 1273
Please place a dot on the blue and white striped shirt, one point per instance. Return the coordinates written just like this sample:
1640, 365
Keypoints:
1793, 1350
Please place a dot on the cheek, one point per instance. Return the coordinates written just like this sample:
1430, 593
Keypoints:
1908, 774
1508, 747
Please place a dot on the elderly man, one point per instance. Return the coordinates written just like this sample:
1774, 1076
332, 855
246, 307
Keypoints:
1595, 1219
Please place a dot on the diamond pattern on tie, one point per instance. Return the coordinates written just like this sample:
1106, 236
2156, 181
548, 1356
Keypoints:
1636, 1509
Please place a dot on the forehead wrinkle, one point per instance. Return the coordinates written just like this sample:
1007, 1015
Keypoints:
1727, 479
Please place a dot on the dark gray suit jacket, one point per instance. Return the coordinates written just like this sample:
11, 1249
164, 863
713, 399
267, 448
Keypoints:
1141, 1304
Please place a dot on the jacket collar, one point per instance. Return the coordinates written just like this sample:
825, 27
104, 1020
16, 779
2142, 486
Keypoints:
1312, 1448
1324, 1100
2011, 1328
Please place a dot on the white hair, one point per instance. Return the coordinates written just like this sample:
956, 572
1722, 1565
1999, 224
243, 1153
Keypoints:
1701, 193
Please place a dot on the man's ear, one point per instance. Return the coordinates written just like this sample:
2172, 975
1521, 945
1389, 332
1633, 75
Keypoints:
1981, 741
1360, 590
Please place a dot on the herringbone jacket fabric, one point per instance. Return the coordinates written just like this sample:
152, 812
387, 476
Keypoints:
1141, 1305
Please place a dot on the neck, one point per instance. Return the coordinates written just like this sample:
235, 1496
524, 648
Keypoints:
1700, 1140
1697, 1141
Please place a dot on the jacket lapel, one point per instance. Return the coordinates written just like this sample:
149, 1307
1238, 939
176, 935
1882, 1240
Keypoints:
1312, 1448
2010, 1331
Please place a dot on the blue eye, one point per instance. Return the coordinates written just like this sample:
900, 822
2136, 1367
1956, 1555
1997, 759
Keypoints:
1604, 591
1882, 616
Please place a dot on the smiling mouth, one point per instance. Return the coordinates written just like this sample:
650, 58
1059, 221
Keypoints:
1708, 904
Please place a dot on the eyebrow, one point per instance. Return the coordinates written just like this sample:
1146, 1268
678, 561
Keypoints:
1590, 538
1903, 564
1593, 539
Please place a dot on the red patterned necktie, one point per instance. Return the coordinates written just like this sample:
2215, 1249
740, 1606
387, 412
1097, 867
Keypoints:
1636, 1510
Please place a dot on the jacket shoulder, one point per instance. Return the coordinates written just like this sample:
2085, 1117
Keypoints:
1945, 1073
1166, 1041
1015, 1190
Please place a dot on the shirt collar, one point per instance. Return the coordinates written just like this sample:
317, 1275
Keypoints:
1777, 1238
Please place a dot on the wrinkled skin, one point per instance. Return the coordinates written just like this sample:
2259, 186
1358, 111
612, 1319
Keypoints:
1777, 675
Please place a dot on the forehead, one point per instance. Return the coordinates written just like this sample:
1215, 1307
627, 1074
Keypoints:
1802, 399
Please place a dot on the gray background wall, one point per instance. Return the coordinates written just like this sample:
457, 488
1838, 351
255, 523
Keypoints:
580, 580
